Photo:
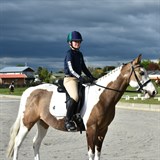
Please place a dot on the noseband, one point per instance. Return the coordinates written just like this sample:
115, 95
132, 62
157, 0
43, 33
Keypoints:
141, 85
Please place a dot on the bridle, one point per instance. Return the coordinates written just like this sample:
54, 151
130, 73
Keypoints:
141, 85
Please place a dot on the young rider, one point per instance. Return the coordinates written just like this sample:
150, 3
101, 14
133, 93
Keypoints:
74, 65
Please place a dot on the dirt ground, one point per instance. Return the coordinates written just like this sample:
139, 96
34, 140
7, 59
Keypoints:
133, 135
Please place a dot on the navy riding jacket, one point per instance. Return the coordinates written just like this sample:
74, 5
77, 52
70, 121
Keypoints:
74, 64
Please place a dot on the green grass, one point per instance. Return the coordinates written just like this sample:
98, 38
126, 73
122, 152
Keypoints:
19, 91
146, 101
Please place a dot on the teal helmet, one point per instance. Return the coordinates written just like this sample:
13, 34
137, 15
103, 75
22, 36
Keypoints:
74, 36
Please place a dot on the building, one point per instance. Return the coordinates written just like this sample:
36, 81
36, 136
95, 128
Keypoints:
154, 75
20, 75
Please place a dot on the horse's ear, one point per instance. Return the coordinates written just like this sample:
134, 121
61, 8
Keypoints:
137, 60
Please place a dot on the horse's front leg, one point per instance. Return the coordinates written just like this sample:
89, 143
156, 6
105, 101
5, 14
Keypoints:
99, 141
91, 135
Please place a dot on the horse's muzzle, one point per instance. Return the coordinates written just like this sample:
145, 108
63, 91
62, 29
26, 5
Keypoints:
150, 94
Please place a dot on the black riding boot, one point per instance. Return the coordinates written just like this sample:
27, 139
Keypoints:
71, 107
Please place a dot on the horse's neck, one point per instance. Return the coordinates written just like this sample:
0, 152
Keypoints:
104, 98
116, 81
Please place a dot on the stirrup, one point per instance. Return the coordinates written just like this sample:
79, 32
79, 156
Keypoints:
70, 126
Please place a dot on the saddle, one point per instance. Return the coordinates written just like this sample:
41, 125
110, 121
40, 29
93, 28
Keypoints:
81, 92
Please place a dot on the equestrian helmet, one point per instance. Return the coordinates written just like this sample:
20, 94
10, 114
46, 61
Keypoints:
74, 36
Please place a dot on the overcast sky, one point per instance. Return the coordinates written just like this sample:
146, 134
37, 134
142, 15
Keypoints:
114, 31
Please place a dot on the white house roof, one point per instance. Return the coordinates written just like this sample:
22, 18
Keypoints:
15, 69
154, 74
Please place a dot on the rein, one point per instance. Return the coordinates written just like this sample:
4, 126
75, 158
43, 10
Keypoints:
116, 90
140, 89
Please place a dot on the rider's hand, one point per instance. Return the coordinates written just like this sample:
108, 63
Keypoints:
87, 80
82, 80
92, 79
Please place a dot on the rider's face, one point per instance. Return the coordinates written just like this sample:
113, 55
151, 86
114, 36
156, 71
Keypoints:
76, 44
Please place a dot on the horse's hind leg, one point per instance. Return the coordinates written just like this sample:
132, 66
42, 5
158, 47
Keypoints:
41, 132
19, 139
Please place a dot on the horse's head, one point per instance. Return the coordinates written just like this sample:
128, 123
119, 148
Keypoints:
139, 79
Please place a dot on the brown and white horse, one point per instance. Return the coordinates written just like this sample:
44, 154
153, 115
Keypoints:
98, 109
157, 81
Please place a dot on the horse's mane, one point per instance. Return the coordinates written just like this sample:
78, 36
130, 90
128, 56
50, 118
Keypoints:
109, 73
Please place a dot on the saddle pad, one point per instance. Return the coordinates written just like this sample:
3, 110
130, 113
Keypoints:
57, 105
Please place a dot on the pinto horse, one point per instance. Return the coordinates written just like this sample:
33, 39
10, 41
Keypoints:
97, 112
157, 81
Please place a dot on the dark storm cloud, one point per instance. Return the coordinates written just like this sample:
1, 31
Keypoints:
112, 30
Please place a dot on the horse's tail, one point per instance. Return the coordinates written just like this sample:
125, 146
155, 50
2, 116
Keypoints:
16, 126
13, 133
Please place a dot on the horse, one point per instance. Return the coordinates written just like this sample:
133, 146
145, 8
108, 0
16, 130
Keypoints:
98, 109
157, 82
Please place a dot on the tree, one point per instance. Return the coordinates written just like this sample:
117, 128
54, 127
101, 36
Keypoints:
106, 69
145, 63
44, 74
149, 65
153, 66
97, 72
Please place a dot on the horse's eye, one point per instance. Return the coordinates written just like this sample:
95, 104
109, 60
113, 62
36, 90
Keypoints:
142, 73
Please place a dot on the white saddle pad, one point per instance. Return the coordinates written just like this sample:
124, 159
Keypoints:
57, 105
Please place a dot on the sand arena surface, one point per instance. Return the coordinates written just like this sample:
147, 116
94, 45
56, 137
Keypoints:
133, 135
